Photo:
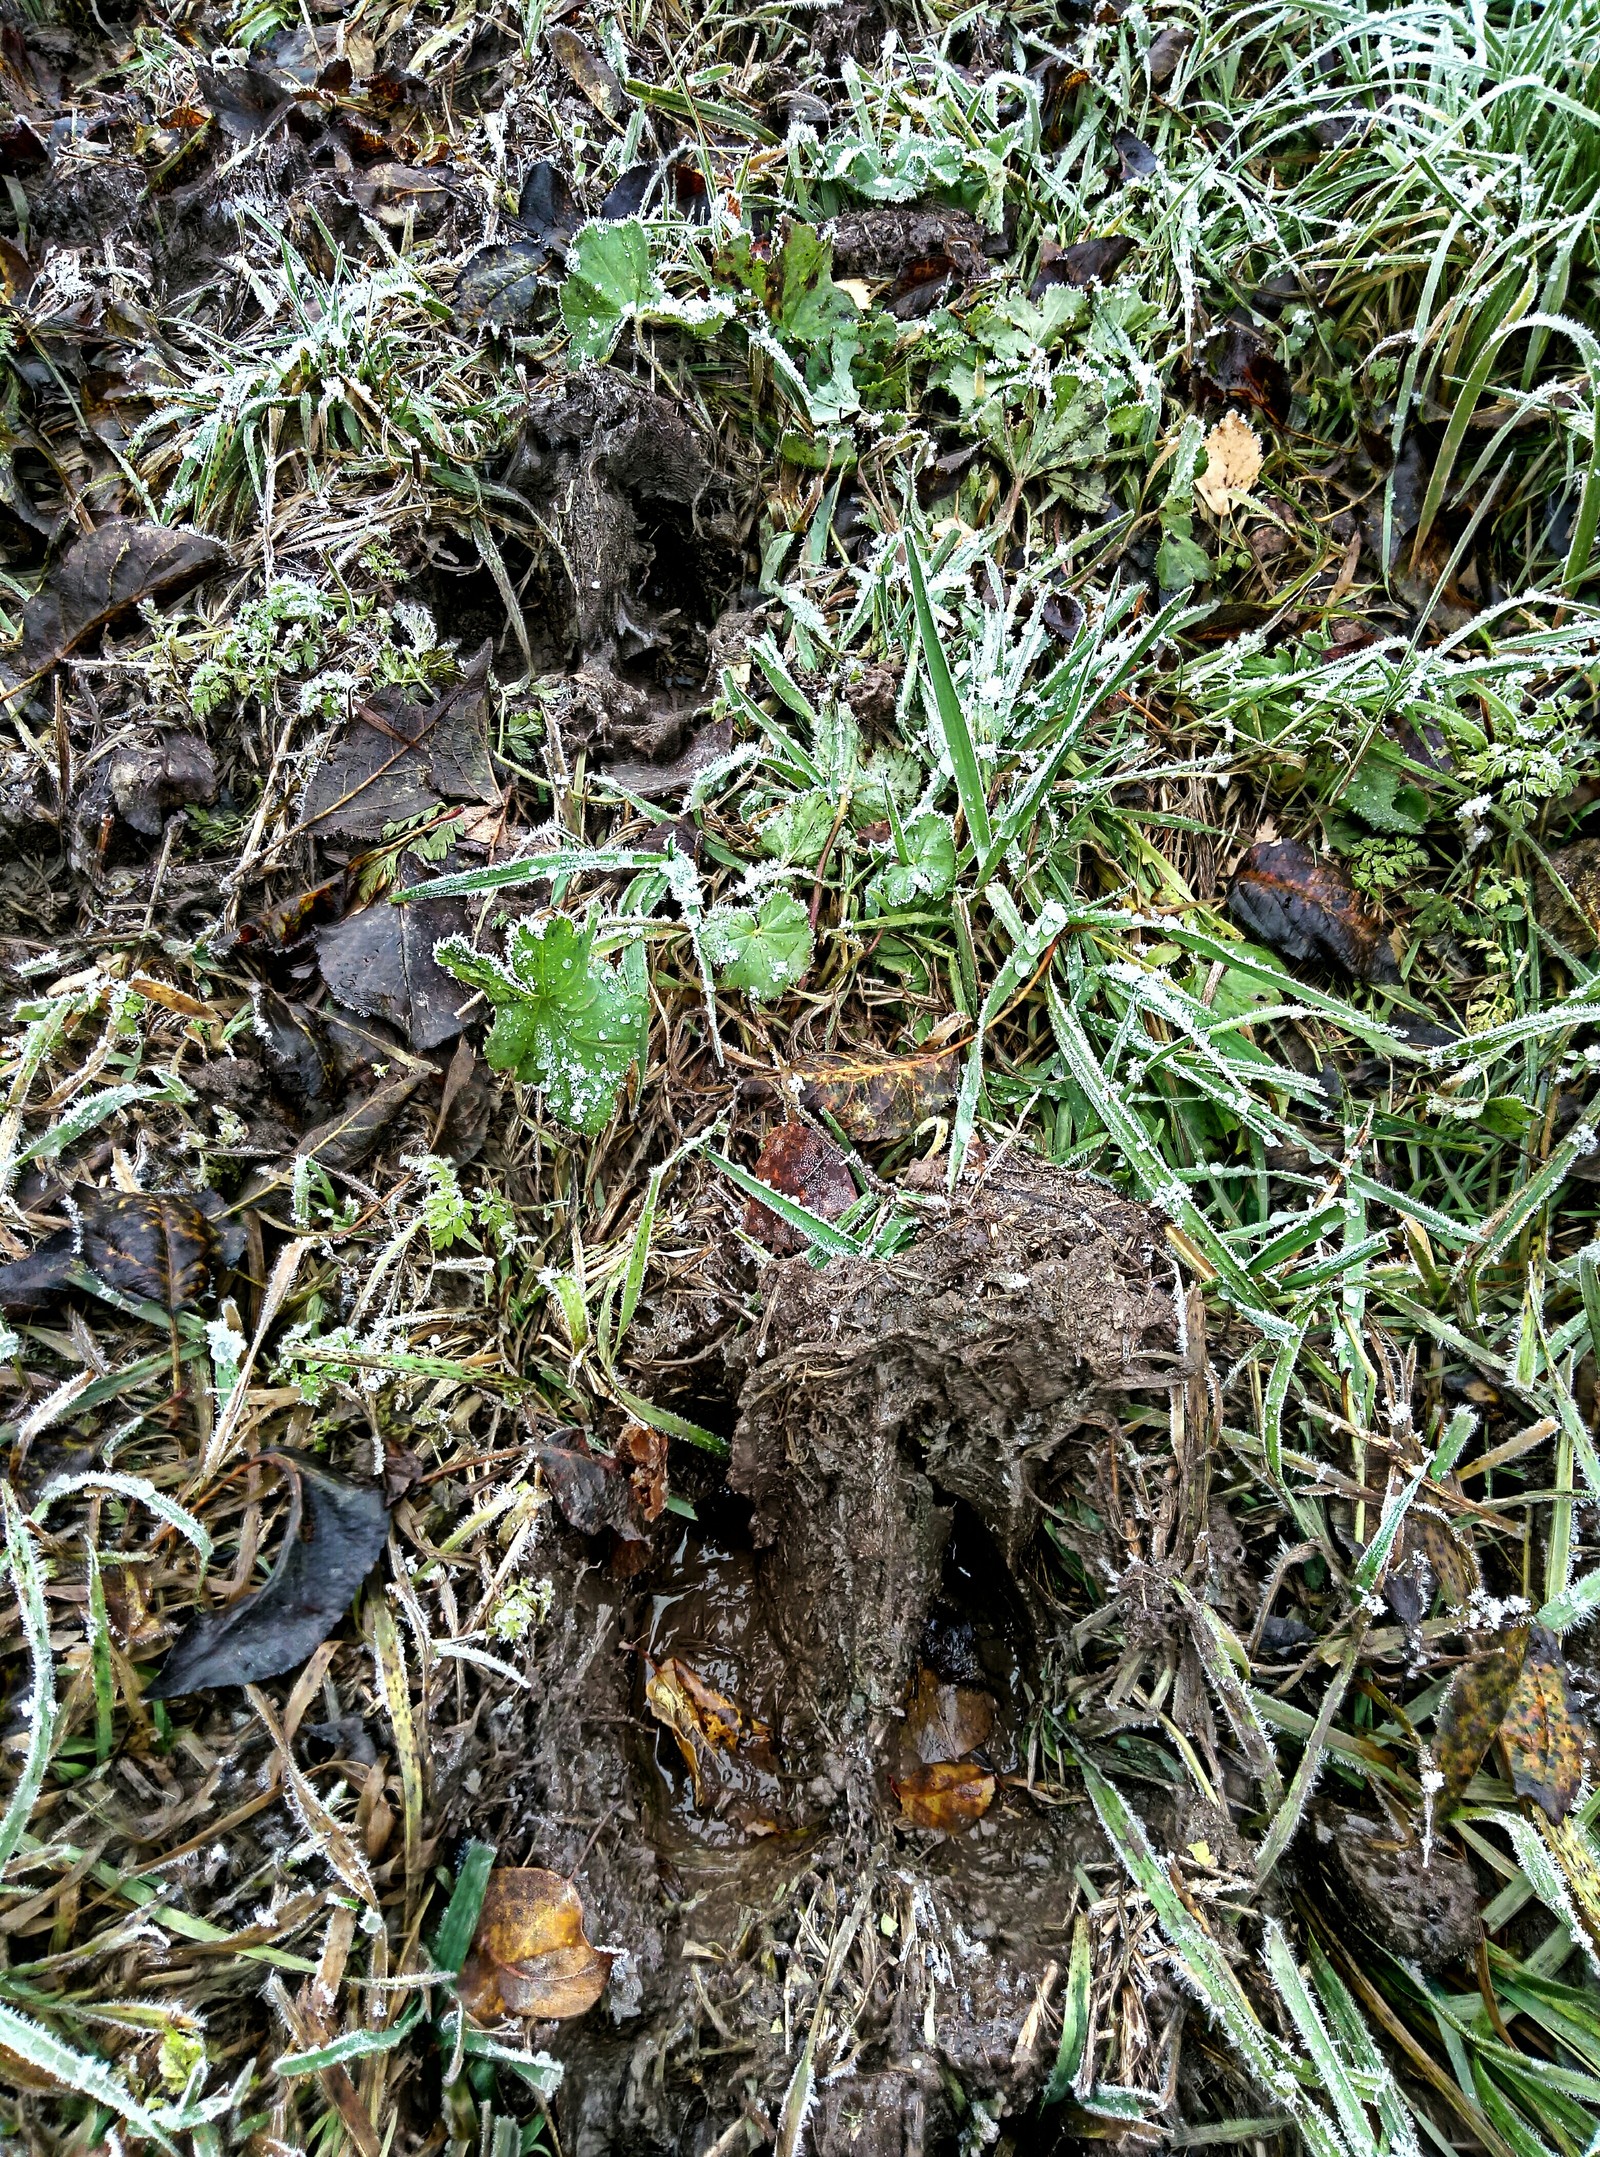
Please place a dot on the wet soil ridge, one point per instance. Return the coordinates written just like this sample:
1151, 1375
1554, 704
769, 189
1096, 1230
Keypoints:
989, 1358
899, 1422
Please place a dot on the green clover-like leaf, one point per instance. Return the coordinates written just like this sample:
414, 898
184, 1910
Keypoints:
564, 1019
761, 951
928, 871
609, 283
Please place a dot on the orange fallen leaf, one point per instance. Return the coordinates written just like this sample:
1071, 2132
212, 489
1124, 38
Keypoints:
948, 1794
531, 1955
701, 1719
645, 1453
1541, 1736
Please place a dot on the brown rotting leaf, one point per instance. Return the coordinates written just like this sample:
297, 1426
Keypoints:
810, 1169
1306, 907
945, 1794
106, 573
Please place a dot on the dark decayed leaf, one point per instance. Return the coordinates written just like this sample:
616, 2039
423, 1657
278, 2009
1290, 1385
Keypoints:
595, 77
345, 1139
1430, 1559
627, 194
1086, 262
1137, 159
292, 1049
245, 101
591, 1494
804, 1166
944, 1721
658, 782
1057, 80
503, 284
1167, 49
22, 148
1063, 616
379, 961
1541, 1736
1236, 365
545, 208
334, 1537
154, 1250
105, 573
1474, 1708
150, 779
1307, 908
397, 760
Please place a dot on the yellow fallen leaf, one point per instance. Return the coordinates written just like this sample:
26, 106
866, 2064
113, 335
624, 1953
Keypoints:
948, 1794
859, 290
1233, 463
530, 1955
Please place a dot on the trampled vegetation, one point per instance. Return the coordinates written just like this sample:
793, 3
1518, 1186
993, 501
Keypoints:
800, 925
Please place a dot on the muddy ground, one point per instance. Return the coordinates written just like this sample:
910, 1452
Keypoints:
903, 1428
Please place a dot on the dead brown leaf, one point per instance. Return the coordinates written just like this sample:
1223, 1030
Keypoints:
592, 75
645, 1451
105, 573
531, 1955
398, 760
1306, 907
808, 1168
1084, 263
945, 1722
379, 961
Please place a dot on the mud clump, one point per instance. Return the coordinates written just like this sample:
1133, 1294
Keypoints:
862, 1594
631, 520
990, 1356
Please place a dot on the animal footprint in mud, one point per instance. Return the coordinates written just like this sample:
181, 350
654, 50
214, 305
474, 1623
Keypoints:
727, 1751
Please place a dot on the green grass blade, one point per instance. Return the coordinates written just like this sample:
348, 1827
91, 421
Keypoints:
29, 1585
952, 718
